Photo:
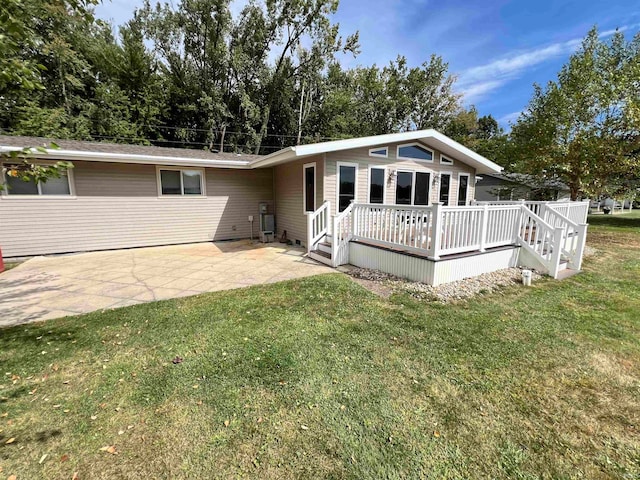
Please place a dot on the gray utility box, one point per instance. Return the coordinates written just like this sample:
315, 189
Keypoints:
267, 228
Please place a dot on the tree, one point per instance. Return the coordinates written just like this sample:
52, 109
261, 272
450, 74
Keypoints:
584, 128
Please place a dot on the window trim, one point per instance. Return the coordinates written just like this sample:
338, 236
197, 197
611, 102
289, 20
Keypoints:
355, 185
415, 144
304, 187
450, 173
384, 185
468, 175
444, 160
203, 192
5, 190
386, 154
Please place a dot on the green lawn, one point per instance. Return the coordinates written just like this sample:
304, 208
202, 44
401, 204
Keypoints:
319, 378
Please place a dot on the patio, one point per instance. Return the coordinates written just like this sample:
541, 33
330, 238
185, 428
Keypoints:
50, 287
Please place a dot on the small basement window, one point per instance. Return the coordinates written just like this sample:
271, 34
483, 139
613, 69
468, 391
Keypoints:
178, 181
54, 186
414, 151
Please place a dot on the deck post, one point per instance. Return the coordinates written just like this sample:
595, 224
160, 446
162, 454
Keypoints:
483, 228
327, 219
556, 254
436, 231
354, 220
582, 240
309, 230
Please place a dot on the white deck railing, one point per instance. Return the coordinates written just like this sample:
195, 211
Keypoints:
575, 211
318, 224
341, 234
437, 231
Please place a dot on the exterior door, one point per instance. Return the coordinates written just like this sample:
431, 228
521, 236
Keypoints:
310, 187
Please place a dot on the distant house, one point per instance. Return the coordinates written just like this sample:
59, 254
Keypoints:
516, 186
368, 201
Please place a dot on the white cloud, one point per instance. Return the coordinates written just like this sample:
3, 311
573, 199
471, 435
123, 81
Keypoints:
509, 117
477, 82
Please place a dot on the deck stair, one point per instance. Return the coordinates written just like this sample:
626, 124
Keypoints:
551, 235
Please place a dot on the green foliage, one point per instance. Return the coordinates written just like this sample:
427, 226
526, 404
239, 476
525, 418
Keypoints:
189, 74
15, 163
584, 128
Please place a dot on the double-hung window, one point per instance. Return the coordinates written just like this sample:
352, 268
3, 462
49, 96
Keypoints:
179, 181
53, 186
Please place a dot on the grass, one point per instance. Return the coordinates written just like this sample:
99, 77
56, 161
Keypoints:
319, 378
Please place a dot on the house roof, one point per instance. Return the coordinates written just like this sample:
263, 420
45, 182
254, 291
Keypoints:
530, 180
431, 137
115, 152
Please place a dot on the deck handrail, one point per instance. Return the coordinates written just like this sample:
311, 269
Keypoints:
437, 231
342, 234
318, 223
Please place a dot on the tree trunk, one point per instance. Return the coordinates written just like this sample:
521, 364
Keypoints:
224, 131
300, 115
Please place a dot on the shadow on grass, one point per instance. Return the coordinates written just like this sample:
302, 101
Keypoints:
627, 220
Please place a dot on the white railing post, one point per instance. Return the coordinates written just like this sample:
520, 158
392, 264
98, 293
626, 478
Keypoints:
436, 230
354, 222
556, 254
327, 217
309, 230
335, 240
582, 240
483, 228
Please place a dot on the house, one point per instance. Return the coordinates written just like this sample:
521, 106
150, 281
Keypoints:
514, 186
387, 192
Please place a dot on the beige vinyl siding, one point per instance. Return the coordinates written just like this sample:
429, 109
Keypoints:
290, 216
117, 206
361, 157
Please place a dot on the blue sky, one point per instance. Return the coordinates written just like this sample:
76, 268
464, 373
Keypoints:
498, 49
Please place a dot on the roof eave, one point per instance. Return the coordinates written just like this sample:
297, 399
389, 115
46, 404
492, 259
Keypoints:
70, 155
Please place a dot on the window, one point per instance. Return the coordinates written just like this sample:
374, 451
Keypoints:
404, 188
376, 184
309, 193
177, 181
421, 194
379, 152
60, 186
414, 151
445, 185
346, 185
445, 161
463, 188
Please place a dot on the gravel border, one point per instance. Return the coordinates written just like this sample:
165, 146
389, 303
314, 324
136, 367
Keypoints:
445, 293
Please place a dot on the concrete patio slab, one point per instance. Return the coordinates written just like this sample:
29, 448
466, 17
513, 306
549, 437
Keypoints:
49, 287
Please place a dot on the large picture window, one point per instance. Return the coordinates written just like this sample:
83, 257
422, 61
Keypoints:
55, 186
178, 181
376, 185
414, 151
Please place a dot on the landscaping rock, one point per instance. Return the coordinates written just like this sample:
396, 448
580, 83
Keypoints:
448, 292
